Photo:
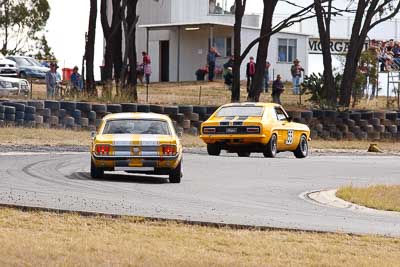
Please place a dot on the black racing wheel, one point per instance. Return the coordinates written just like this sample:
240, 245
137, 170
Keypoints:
302, 149
271, 149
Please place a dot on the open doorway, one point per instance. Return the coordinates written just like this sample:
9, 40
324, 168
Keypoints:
164, 61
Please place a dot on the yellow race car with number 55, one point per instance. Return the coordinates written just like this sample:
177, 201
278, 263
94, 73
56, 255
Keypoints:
244, 128
137, 143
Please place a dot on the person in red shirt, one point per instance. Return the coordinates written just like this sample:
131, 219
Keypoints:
146, 66
250, 72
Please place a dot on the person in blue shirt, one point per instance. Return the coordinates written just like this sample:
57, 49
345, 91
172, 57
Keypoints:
211, 59
76, 79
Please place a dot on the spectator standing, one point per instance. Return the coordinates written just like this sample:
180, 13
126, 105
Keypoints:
51, 80
229, 78
277, 90
211, 60
296, 70
146, 66
396, 53
76, 80
250, 72
218, 9
212, 5
266, 76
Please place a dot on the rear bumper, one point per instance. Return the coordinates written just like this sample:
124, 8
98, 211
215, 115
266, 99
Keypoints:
137, 164
237, 139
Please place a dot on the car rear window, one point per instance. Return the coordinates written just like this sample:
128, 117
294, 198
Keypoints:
157, 127
241, 111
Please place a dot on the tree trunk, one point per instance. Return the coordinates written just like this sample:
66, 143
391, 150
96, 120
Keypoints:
350, 71
262, 53
324, 21
90, 44
6, 20
237, 62
117, 43
132, 21
108, 54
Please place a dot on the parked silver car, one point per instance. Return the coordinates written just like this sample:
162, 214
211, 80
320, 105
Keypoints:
14, 86
8, 67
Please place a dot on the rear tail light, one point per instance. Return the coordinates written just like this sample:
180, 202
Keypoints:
253, 129
103, 150
169, 150
209, 130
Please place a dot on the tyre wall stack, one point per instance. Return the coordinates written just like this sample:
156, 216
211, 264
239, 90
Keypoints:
324, 124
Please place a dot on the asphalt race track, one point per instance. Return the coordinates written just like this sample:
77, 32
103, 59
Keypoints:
247, 191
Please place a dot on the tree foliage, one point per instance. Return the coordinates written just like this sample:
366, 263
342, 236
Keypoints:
21, 21
315, 85
44, 51
368, 14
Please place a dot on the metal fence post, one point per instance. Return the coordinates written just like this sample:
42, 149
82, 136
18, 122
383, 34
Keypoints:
200, 96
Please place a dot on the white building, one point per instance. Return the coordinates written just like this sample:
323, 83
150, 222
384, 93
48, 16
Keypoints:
177, 35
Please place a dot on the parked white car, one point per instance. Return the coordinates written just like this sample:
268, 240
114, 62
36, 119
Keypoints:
14, 86
8, 68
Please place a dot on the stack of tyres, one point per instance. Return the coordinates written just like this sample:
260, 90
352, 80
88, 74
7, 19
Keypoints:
30, 119
18, 115
9, 114
52, 108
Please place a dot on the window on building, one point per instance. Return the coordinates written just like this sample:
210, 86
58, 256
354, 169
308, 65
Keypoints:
287, 50
223, 45
220, 7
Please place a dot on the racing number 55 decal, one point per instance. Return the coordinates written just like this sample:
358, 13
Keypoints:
290, 135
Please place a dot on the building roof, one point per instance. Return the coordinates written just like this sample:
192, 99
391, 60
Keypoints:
193, 24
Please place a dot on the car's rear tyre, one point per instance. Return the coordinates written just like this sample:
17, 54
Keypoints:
271, 148
302, 149
213, 149
96, 173
244, 154
176, 174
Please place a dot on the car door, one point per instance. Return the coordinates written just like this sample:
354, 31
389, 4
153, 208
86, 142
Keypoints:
286, 132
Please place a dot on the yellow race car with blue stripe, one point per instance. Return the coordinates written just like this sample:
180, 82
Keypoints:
137, 143
244, 128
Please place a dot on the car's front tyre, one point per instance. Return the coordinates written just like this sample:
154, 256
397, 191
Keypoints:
271, 149
176, 174
96, 173
213, 149
302, 149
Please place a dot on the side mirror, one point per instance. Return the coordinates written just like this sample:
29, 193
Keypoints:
290, 119
93, 134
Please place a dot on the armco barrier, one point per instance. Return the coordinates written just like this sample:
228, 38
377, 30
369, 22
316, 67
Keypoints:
324, 124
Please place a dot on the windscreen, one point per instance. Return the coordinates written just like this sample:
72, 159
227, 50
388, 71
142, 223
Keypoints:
241, 111
23, 62
34, 62
157, 127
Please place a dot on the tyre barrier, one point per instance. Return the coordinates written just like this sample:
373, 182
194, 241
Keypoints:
128, 107
325, 124
114, 108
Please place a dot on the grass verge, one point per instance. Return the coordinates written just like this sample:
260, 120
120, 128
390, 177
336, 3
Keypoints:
59, 137
381, 197
49, 239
